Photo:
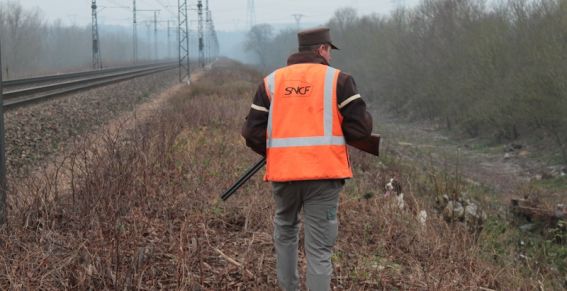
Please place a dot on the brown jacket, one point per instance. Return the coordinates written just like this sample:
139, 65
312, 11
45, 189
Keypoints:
357, 122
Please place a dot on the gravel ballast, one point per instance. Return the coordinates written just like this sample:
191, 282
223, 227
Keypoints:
34, 132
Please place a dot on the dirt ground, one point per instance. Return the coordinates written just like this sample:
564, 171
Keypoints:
505, 173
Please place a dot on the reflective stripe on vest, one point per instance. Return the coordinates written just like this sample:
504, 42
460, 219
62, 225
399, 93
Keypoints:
327, 138
271, 85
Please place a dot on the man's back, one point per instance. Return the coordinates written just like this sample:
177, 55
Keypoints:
301, 117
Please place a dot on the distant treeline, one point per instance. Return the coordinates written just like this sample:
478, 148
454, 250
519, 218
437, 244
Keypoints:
486, 71
31, 46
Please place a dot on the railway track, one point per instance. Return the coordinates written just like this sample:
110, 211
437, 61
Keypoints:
24, 91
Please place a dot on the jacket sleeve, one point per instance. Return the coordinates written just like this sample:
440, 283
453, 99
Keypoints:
357, 122
256, 123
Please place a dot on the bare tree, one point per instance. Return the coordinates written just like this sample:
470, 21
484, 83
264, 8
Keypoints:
22, 38
258, 41
32, 46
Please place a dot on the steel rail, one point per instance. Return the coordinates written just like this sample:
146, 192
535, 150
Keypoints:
38, 89
82, 85
61, 77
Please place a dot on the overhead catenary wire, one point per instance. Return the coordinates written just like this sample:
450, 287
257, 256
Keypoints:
199, 32
167, 7
114, 2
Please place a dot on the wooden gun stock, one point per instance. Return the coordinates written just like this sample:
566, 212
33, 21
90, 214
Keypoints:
370, 144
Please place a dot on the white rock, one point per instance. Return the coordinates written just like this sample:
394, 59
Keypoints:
400, 201
454, 211
473, 215
422, 217
459, 210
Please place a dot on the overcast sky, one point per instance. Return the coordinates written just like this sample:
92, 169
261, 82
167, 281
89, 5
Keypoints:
227, 14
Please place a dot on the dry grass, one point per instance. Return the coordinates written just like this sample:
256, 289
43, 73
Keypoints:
142, 212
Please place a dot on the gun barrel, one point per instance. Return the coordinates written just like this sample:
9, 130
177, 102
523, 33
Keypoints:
253, 170
370, 145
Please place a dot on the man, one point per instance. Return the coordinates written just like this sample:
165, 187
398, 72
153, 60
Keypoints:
301, 117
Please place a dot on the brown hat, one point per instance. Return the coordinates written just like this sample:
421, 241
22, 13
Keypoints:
315, 36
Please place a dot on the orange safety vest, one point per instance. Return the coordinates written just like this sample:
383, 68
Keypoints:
305, 140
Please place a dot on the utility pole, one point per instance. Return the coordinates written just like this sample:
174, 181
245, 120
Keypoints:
251, 14
134, 36
156, 53
168, 40
183, 33
2, 153
97, 59
148, 24
298, 17
168, 53
209, 34
213, 42
155, 11
177, 40
201, 37
215, 47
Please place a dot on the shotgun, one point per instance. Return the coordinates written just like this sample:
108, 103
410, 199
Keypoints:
369, 145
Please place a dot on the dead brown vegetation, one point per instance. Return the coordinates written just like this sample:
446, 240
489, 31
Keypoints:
142, 212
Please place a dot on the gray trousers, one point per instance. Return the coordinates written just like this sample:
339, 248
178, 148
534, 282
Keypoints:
319, 200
